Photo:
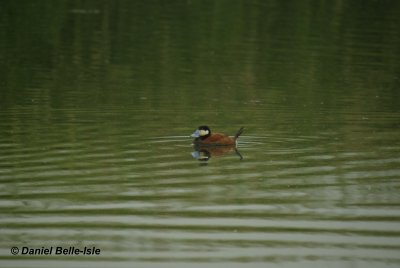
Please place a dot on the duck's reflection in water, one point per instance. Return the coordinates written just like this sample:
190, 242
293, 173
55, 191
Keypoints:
204, 153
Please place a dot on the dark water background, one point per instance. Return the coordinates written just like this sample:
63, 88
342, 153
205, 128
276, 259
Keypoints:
98, 99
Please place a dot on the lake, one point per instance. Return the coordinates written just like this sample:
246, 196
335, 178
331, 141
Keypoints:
98, 100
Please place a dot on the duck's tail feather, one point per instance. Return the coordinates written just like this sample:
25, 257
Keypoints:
240, 131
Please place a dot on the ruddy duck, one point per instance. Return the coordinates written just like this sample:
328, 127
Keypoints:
204, 137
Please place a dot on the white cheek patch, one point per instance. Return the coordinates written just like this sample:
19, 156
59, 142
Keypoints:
203, 132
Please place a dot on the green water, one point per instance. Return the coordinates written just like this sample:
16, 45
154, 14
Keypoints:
98, 99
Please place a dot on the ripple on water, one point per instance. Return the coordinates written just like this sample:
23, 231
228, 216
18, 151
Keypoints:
150, 200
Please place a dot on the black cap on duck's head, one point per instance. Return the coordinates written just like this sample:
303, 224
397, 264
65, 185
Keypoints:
202, 132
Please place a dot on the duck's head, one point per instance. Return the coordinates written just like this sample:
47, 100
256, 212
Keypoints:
202, 132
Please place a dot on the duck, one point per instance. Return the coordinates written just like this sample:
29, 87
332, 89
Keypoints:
204, 137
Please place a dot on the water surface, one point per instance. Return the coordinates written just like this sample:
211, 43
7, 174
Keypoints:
98, 100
